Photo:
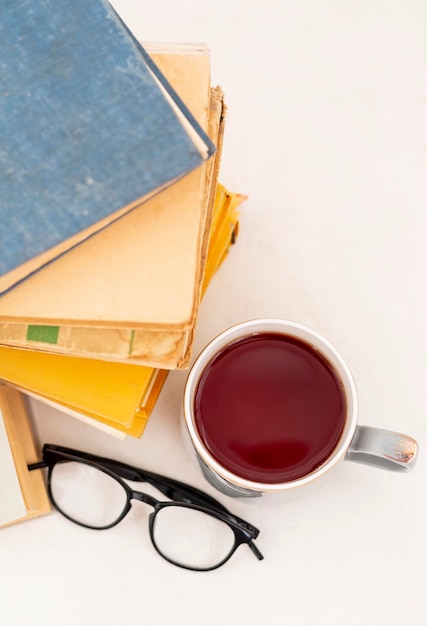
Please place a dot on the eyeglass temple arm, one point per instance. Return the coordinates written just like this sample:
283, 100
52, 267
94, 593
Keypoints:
255, 551
37, 465
173, 489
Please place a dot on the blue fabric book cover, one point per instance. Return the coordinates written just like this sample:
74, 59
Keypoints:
89, 129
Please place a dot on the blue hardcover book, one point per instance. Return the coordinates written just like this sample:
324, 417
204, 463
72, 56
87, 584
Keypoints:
89, 129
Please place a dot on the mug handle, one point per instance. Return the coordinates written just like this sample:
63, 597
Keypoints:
382, 448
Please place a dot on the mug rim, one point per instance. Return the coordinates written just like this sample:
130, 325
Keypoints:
299, 331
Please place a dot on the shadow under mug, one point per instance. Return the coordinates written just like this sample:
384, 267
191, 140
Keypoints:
263, 395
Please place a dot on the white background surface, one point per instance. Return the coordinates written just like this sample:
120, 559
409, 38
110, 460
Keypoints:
327, 134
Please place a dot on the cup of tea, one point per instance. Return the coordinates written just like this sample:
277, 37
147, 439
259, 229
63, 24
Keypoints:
270, 405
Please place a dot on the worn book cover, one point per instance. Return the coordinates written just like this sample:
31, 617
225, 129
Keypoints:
132, 291
89, 129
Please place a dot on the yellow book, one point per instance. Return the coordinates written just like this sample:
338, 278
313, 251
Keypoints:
224, 230
22, 493
118, 395
131, 292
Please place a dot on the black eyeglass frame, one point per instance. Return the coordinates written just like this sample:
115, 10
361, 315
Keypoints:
180, 494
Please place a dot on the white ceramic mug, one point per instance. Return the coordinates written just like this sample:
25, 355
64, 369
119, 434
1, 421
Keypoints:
374, 446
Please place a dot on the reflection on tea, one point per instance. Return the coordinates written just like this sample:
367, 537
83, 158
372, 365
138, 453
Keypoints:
269, 408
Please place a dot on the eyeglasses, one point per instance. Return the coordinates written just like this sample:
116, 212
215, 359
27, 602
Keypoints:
192, 530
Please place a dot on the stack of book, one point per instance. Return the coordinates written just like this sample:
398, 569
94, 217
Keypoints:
113, 220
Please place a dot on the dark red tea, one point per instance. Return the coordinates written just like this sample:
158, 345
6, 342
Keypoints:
269, 408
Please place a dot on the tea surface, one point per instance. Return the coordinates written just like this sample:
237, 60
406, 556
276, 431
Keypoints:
269, 408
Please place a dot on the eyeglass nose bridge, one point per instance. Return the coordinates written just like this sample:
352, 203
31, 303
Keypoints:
144, 497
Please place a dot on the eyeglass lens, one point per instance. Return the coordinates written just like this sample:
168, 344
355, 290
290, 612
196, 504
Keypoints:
192, 538
87, 495
181, 534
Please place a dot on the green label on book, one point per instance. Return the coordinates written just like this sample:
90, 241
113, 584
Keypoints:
45, 334
132, 338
